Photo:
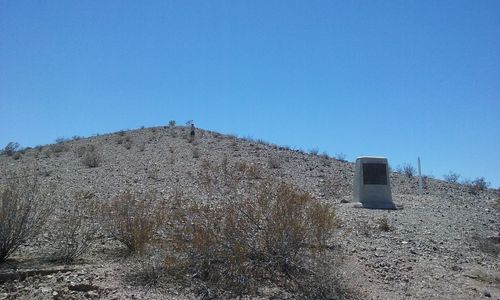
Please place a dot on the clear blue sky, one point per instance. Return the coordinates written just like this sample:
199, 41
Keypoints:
399, 79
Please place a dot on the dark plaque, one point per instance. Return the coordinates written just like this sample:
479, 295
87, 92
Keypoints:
375, 174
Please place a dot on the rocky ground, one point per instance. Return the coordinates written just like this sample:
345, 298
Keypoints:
442, 244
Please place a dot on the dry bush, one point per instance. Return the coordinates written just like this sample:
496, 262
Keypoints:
11, 148
274, 162
91, 157
340, 156
59, 146
196, 153
314, 151
127, 143
487, 245
132, 218
24, 209
479, 184
76, 227
80, 151
451, 177
153, 172
407, 170
277, 236
383, 224
142, 147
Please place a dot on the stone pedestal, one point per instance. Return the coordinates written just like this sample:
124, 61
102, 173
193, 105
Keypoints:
372, 186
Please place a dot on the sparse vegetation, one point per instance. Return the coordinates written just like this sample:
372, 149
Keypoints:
91, 157
128, 143
274, 162
239, 233
11, 148
477, 185
451, 177
132, 219
314, 151
59, 147
76, 227
196, 153
340, 156
142, 147
61, 140
24, 209
383, 224
280, 233
171, 123
487, 246
408, 170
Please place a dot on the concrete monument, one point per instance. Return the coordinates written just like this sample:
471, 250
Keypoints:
372, 187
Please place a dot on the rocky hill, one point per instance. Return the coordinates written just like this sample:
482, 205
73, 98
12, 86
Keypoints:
443, 244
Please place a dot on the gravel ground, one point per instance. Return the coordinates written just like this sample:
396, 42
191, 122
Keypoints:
441, 245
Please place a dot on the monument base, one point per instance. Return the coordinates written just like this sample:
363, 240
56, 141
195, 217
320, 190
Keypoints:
387, 206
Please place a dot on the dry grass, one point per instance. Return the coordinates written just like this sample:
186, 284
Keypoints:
24, 209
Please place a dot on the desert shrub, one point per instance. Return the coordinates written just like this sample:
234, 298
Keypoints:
80, 151
451, 177
487, 245
153, 172
61, 140
314, 151
24, 209
274, 162
127, 143
91, 157
17, 155
477, 185
279, 235
132, 218
11, 148
408, 170
76, 227
58, 148
253, 171
171, 123
196, 153
383, 224
142, 147
340, 156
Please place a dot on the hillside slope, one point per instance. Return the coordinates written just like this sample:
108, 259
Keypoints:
438, 246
